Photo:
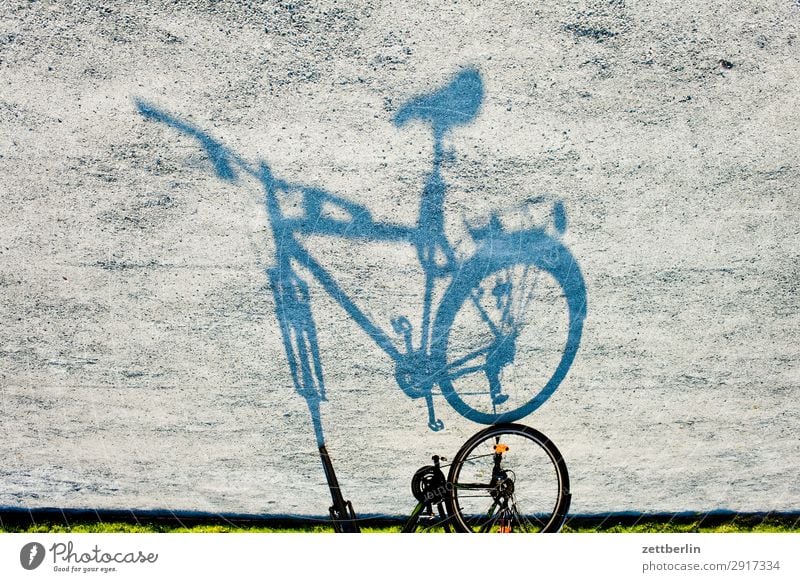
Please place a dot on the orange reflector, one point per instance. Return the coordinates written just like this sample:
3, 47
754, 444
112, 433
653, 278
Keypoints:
500, 448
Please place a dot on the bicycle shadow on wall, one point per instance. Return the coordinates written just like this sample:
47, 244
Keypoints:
509, 323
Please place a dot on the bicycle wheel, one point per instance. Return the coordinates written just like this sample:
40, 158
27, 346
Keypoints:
508, 327
508, 478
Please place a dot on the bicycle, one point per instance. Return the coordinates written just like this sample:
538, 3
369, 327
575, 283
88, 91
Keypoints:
481, 493
478, 347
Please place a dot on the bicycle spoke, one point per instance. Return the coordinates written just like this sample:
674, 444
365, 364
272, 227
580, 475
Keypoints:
491, 517
522, 520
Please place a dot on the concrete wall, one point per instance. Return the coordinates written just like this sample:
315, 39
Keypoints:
141, 363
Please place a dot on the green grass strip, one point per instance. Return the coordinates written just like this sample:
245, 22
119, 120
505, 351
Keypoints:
735, 525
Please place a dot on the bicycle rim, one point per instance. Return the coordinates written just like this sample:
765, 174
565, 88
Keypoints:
525, 491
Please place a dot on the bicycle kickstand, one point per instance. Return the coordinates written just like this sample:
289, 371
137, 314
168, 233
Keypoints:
342, 514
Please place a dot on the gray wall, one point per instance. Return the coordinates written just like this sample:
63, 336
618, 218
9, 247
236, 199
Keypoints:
141, 364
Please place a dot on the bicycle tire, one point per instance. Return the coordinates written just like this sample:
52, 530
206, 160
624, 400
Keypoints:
526, 253
537, 473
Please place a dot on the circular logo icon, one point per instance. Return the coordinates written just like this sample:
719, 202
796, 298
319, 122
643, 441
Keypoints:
31, 555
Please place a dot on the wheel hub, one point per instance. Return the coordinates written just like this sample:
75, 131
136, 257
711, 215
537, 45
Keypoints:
504, 490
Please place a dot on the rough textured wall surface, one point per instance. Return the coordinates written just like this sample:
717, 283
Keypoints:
141, 363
